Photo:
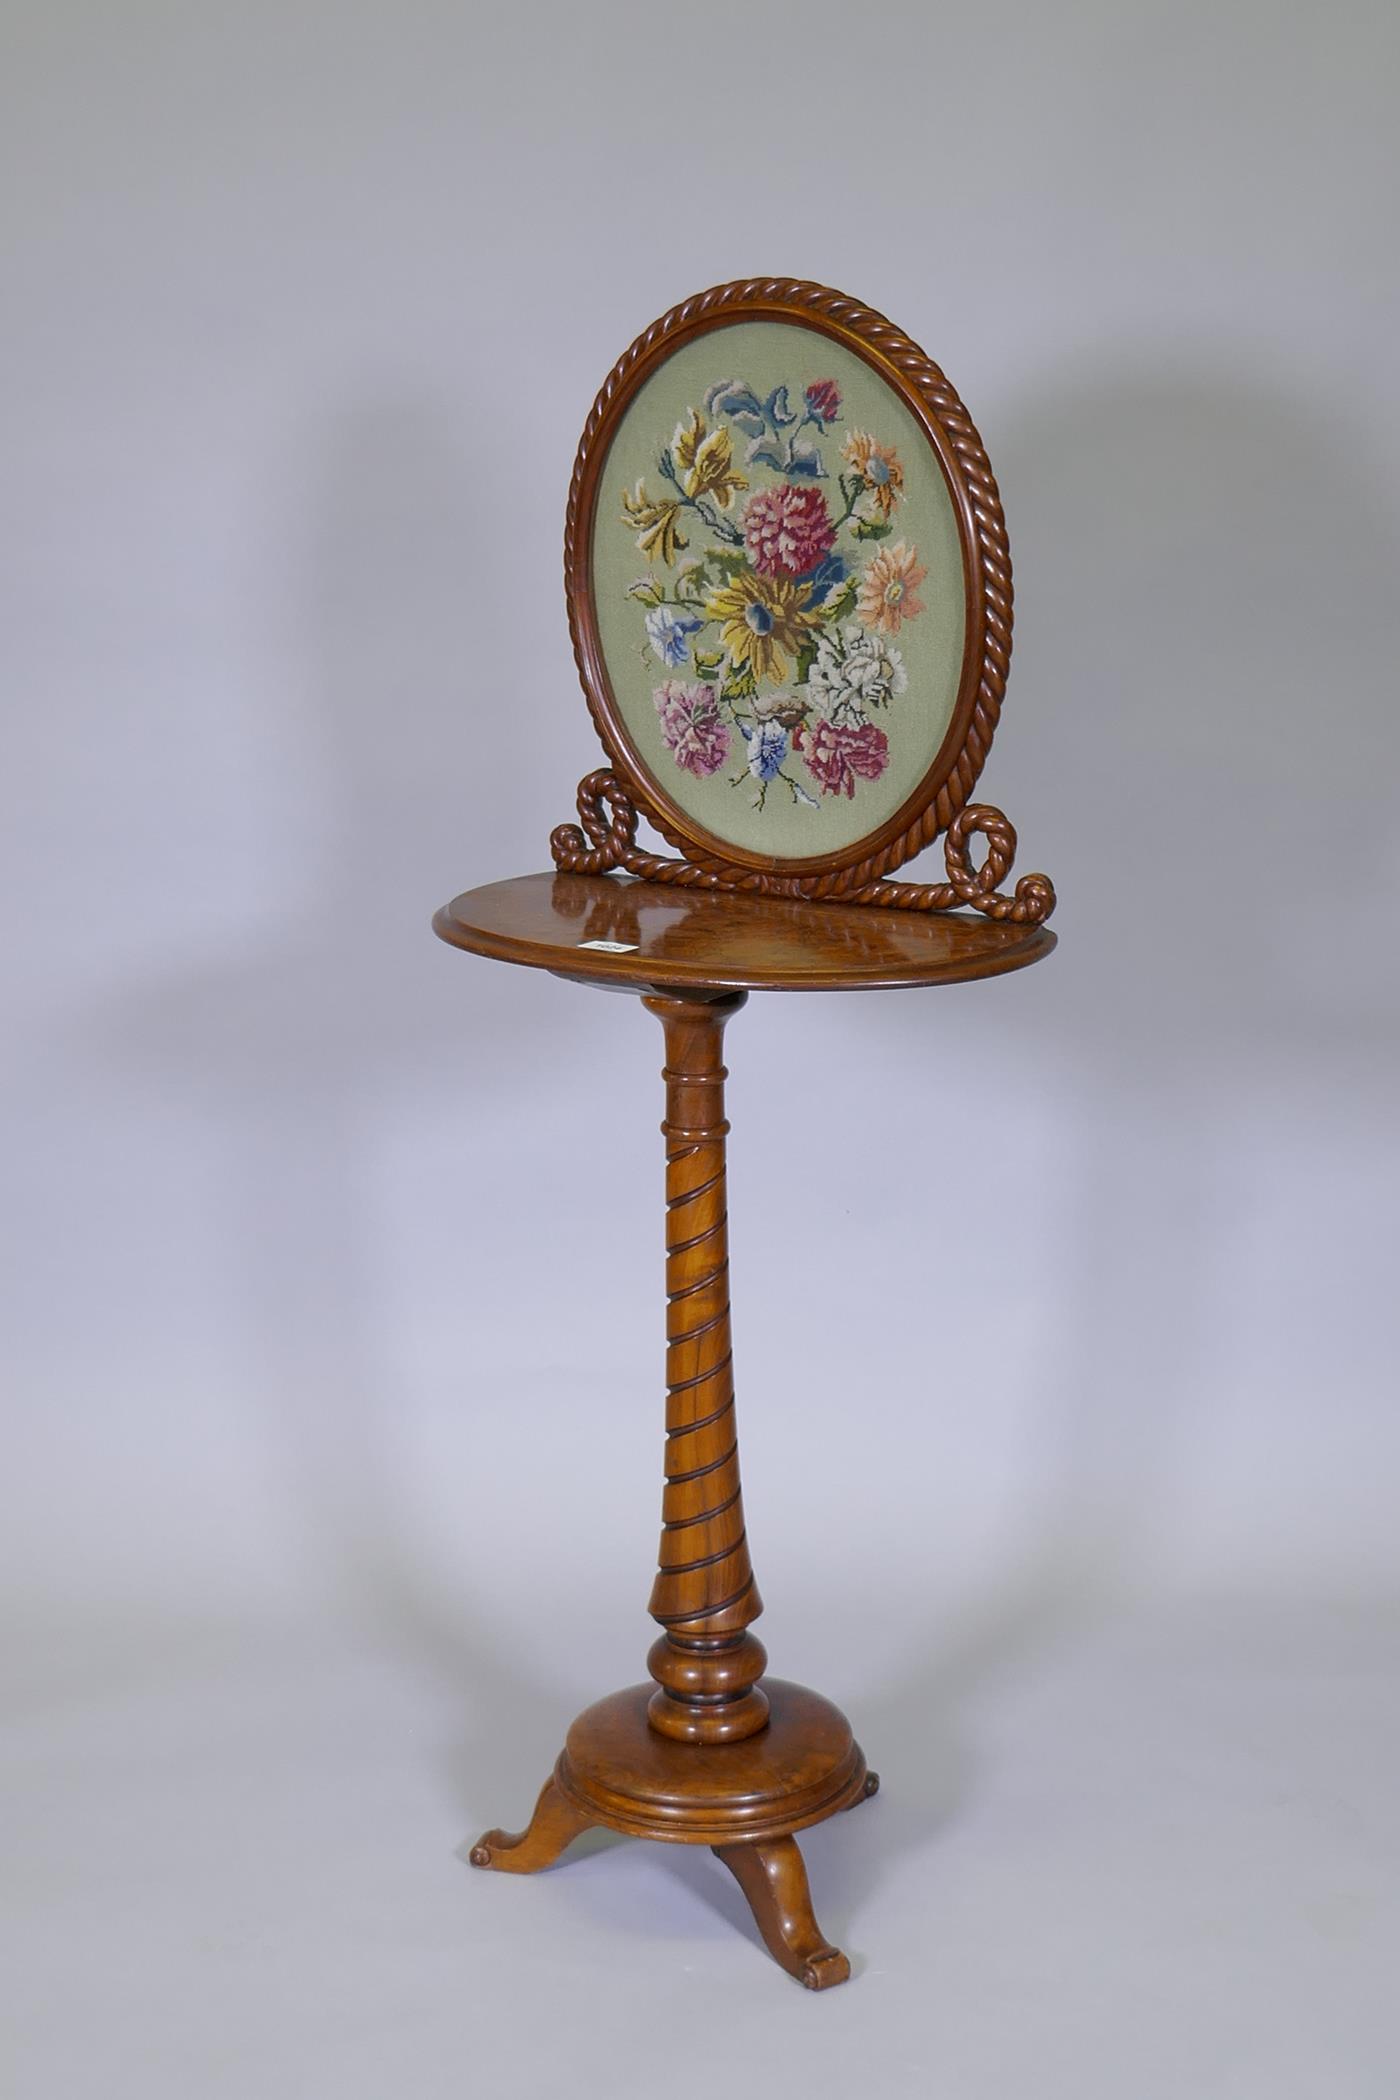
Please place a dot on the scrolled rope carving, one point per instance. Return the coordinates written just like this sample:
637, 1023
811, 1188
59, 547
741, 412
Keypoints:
1033, 899
967, 887
976, 888
996, 599
614, 843
612, 837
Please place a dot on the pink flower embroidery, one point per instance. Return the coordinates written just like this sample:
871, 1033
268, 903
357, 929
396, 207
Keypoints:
788, 530
835, 757
691, 726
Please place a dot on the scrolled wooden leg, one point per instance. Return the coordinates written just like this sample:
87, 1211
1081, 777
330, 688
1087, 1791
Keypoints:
773, 1876
555, 1824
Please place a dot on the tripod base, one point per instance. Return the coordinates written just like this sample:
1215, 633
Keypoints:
743, 1799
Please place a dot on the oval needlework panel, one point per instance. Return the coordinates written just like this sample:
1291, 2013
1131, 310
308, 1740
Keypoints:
779, 589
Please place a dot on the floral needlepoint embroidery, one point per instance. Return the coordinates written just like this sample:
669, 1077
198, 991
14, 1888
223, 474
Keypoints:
783, 612
691, 726
705, 461
787, 530
768, 747
879, 469
886, 597
763, 619
855, 671
837, 757
823, 399
669, 631
655, 524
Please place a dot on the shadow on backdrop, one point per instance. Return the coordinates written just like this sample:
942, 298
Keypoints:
1192, 747
1197, 744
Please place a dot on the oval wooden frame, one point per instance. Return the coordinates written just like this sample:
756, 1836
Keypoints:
946, 786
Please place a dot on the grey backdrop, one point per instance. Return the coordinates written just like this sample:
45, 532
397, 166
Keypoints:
1064, 1304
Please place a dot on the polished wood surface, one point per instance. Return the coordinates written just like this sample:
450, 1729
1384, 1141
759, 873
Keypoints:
714, 940
774, 1878
706, 1663
802, 1766
744, 1801
557, 1821
711, 1752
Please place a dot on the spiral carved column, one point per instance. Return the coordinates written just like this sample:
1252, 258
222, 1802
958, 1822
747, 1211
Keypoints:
706, 1664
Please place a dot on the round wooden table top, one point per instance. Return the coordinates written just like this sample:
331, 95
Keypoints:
613, 930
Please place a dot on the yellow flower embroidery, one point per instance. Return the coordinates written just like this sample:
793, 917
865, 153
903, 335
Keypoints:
878, 468
655, 524
763, 619
705, 461
687, 440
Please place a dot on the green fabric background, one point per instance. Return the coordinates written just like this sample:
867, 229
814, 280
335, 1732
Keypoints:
765, 354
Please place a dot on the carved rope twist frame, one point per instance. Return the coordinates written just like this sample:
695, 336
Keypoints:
609, 842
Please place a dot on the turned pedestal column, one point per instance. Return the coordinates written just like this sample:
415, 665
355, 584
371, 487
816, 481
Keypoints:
712, 1755
706, 1664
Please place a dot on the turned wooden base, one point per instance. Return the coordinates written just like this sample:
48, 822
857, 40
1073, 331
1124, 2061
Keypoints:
801, 1768
743, 1799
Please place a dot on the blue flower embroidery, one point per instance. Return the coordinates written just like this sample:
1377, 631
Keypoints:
768, 747
668, 632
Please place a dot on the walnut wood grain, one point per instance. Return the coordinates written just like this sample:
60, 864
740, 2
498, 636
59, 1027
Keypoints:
804, 1766
706, 1663
706, 1754
711, 1751
774, 1878
706, 940
557, 1821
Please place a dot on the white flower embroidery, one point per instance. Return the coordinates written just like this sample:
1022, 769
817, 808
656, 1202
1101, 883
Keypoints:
854, 671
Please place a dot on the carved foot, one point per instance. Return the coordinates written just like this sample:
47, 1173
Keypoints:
772, 1875
872, 1786
555, 1824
